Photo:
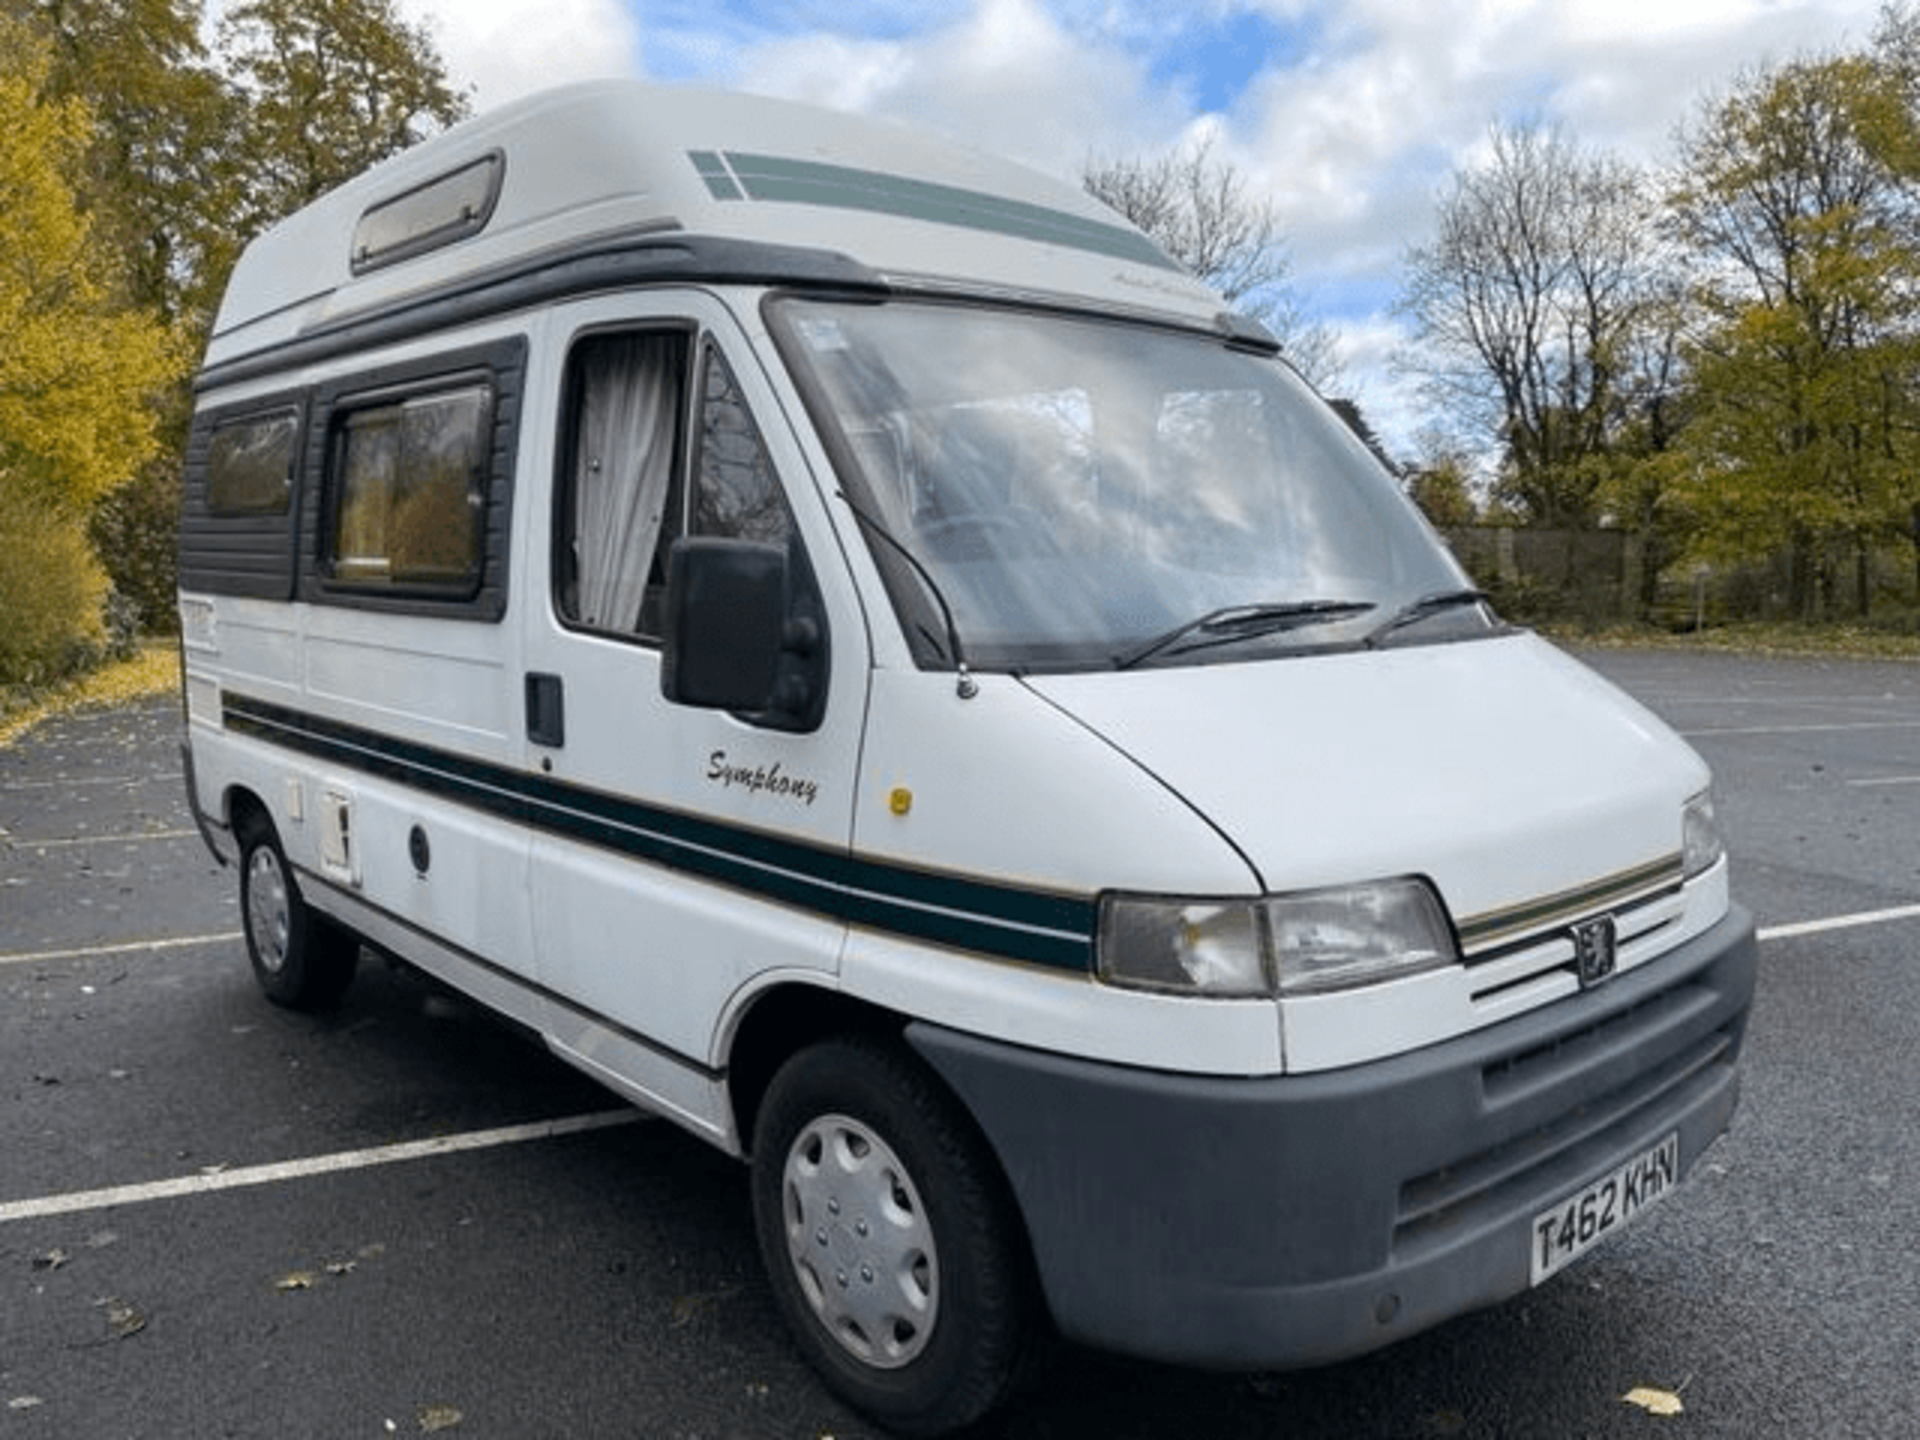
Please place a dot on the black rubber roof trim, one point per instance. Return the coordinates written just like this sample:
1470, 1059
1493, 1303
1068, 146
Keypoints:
592, 267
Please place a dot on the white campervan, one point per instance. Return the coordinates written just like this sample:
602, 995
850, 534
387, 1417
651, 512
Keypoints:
847, 642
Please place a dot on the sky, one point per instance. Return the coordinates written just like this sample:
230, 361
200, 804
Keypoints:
1350, 115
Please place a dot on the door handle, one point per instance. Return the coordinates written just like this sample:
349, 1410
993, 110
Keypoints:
546, 710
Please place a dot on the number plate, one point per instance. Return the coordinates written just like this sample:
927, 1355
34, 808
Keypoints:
1578, 1223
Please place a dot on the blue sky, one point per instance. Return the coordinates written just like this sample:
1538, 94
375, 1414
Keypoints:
1349, 114
1212, 59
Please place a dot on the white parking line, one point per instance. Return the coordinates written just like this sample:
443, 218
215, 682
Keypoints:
91, 782
1711, 732
1840, 922
16, 842
89, 952
207, 1183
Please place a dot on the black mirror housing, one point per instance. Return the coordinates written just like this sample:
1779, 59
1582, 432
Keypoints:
726, 618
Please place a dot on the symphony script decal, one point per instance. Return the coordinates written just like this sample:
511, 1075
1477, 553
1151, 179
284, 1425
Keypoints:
760, 779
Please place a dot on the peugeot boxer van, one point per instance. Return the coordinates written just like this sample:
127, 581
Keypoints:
847, 642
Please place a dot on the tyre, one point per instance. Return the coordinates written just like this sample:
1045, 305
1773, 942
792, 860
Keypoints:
301, 960
892, 1247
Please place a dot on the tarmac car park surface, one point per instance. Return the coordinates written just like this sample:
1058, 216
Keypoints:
222, 1219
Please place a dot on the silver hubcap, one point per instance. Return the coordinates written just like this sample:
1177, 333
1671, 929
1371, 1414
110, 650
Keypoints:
860, 1243
268, 919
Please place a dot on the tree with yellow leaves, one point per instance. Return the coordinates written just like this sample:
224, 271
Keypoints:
79, 371
1799, 198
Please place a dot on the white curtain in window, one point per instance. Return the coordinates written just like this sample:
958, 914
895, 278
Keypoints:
624, 460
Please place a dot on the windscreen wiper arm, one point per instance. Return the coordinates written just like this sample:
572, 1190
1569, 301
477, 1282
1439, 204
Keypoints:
1242, 622
968, 686
1414, 611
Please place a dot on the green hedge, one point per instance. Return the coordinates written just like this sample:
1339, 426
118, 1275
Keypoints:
57, 610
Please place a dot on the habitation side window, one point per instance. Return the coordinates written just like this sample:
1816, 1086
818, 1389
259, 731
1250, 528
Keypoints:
409, 489
250, 465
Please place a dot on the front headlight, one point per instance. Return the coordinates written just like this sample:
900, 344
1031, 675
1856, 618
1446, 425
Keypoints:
1357, 935
1303, 944
1700, 843
1206, 947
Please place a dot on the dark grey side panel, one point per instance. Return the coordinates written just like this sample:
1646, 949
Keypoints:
245, 555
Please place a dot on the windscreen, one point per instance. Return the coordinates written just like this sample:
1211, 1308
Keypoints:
1078, 494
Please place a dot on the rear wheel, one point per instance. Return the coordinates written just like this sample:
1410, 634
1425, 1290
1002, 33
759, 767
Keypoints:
301, 960
891, 1246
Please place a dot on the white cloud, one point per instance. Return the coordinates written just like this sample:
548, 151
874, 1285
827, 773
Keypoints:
1005, 76
508, 48
1355, 142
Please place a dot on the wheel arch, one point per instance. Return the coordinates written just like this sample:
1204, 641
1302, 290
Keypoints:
245, 812
786, 1018
780, 1022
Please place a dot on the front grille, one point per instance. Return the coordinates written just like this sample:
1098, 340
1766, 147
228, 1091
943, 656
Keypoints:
1641, 926
1551, 1157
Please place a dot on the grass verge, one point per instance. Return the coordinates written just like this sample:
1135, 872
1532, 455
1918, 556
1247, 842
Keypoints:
154, 671
1800, 642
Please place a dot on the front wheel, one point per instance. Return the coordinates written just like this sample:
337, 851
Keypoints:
301, 960
892, 1248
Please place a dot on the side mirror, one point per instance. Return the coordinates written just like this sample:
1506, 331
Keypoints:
726, 619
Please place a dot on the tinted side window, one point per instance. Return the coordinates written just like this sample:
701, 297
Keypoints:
410, 491
250, 465
736, 494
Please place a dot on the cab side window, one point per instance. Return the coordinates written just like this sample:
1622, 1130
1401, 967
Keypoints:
626, 494
620, 487
736, 494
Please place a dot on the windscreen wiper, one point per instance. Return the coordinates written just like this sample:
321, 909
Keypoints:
967, 686
1414, 611
1232, 623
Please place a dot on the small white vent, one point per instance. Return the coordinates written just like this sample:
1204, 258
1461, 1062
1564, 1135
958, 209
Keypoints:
339, 855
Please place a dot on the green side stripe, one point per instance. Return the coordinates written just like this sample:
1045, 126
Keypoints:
1033, 926
775, 179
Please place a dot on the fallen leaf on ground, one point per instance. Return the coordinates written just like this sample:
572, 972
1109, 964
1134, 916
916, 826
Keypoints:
122, 1319
52, 1260
439, 1417
1654, 1402
688, 1308
297, 1280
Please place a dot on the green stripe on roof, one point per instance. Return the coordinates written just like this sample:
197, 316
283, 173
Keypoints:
713, 170
806, 182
